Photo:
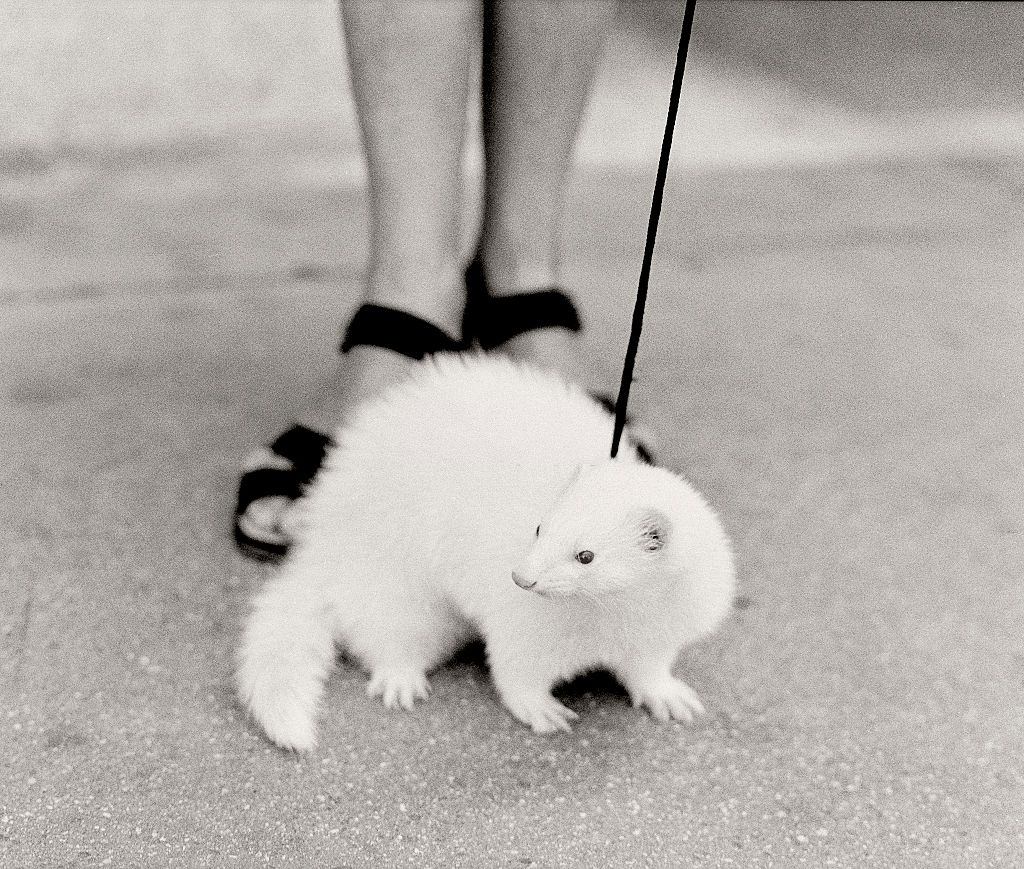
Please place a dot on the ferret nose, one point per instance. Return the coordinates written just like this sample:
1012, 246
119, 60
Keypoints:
522, 582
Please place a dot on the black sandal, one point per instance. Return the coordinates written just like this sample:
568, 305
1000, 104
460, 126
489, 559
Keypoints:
492, 320
301, 450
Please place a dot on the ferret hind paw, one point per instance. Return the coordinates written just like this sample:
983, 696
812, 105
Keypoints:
670, 699
542, 713
399, 688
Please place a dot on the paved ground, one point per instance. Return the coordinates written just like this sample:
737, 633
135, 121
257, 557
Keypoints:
833, 355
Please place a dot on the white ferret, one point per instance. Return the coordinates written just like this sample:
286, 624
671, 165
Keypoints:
477, 499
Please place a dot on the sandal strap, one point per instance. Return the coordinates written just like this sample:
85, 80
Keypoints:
267, 483
493, 320
260, 550
642, 450
404, 333
304, 448
607, 402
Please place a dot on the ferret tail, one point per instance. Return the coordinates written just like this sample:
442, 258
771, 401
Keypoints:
285, 658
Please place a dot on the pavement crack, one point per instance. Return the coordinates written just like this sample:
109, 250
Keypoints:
21, 636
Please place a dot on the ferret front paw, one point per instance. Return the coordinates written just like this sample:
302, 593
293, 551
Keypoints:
541, 712
399, 687
669, 699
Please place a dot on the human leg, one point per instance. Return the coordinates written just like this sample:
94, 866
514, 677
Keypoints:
410, 62
540, 57
410, 65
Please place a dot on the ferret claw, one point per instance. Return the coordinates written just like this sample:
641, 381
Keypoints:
543, 714
670, 700
398, 688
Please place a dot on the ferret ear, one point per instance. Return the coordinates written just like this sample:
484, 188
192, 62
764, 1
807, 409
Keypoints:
654, 530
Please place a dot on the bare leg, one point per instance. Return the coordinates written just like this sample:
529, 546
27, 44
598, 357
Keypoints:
410, 62
539, 60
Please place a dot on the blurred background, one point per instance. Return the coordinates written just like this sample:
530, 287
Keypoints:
116, 73
117, 100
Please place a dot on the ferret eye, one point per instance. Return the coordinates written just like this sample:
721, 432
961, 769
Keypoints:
538, 531
585, 557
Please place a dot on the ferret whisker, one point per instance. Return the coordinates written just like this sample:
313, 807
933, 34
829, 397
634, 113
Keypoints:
598, 600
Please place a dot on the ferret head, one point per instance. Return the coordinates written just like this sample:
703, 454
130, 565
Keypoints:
618, 525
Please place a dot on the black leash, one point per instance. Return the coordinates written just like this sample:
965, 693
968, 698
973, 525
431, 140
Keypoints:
652, 230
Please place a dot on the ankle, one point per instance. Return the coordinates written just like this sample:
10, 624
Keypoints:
508, 271
436, 295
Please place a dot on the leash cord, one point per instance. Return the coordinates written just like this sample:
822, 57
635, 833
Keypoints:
629, 362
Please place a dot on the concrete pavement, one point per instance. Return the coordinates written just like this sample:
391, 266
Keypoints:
833, 353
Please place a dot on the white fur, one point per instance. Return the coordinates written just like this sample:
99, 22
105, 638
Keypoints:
412, 531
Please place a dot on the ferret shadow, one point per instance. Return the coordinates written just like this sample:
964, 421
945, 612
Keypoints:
596, 683
471, 661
